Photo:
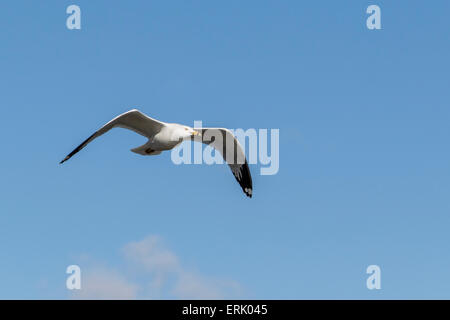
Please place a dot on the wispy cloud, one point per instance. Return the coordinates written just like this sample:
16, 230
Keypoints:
154, 272
105, 283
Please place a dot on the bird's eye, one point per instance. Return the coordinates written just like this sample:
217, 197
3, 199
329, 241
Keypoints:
186, 129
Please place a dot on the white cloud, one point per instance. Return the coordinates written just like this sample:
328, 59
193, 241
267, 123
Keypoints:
150, 255
193, 286
156, 273
103, 283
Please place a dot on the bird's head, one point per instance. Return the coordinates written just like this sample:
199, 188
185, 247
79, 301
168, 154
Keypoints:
185, 132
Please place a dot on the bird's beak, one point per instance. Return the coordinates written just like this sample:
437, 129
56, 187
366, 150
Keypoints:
196, 133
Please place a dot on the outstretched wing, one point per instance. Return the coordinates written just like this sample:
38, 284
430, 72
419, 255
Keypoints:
132, 120
231, 150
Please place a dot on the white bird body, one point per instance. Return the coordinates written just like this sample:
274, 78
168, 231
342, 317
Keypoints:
165, 136
169, 137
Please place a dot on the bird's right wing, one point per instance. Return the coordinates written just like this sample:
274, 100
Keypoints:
132, 120
231, 150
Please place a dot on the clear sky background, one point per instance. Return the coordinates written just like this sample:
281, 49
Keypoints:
364, 149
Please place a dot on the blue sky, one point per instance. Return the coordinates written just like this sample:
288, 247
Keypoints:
364, 158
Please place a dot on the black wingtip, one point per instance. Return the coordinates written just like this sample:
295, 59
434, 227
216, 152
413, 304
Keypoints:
64, 160
81, 146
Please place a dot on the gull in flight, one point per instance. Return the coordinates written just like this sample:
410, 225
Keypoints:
165, 136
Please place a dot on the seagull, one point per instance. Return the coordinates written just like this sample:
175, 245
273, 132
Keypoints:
166, 136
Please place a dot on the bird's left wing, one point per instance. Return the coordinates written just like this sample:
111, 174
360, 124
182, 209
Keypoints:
132, 120
231, 150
